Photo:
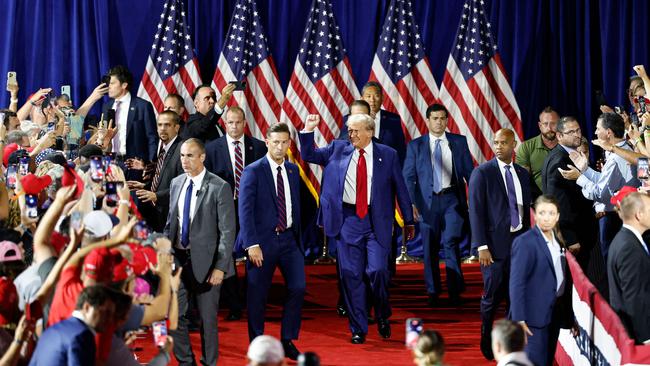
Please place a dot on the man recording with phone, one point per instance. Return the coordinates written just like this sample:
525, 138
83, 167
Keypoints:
204, 124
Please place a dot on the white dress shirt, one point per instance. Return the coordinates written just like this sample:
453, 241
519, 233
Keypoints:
377, 123
197, 180
556, 255
447, 162
515, 178
287, 189
123, 114
231, 151
350, 189
166, 146
519, 357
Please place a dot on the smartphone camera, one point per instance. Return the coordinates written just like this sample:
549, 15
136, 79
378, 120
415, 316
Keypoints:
642, 104
159, 330
96, 168
11, 176
642, 169
111, 194
239, 85
413, 331
76, 219
31, 203
141, 231
107, 160
23, 166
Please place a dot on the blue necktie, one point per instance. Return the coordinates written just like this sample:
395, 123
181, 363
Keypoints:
185, 229
512, 198
437, 167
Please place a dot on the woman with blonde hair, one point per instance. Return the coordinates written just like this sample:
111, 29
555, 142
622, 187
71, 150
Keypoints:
429, 349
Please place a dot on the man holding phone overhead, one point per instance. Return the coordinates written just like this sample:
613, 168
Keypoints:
204, 123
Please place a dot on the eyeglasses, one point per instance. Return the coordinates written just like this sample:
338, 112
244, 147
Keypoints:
571, 132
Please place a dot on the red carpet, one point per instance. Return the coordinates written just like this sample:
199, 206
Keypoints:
327, 334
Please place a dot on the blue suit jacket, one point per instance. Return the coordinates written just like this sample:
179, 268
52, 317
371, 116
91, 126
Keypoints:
68, 342
418, 170
532, 280
258, 213
489, 212
217, 157
387, 183
141, 130
390, 133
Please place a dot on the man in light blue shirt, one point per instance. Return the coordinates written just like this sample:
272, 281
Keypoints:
616, 173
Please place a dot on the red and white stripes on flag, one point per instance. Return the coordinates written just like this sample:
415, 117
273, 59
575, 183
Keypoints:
475, 88
245, 56
172, 66
403, 70
321, 83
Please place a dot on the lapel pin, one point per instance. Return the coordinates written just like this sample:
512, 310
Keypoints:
290, 171
379, 159
132, 108
250, 148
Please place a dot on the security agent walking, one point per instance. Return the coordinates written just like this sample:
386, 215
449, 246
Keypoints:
269, 216
201, 226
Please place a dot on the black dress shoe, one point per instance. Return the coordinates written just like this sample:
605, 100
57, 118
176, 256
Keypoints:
432, 301
486, 343
371, 319
234, 315
290, 350
358, 338
341, 310
383, 326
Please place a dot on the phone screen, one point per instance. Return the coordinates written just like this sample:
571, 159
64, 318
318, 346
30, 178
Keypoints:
51, 126
111, 194
31, 203
642, 169
107, 160
413, 331
141, 230
96, 168
11, 176
23, 166
159, 330
75, 220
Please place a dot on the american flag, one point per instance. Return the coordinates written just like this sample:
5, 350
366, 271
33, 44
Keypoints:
172, 66
321, 83
475, 87
245, 56
403, 70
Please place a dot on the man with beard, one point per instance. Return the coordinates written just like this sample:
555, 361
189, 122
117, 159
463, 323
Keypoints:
577, 220
532, 152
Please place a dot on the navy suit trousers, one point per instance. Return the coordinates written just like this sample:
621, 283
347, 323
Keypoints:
444, 228
283, 252
359, 253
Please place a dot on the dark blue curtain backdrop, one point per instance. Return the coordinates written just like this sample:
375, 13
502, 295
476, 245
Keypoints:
556, 52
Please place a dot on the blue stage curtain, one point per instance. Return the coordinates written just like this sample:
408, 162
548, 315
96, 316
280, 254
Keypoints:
555, 52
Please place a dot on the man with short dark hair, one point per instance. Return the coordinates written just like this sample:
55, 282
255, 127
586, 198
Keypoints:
204, 123
72, 341
269, 214
201, 226
616, 173
532, 152
508, 342
176, 103
134, 118
10, 121
437, 168
628, 266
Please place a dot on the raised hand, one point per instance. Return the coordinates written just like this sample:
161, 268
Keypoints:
312, 122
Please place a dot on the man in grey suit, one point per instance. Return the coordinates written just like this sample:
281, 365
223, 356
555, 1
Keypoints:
201, 226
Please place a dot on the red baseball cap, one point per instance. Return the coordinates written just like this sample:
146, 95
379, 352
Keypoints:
33, 184
8, 150
622, 193
71, 177
98, 265
142, 257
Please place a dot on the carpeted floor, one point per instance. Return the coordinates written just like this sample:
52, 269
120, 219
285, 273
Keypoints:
327, 334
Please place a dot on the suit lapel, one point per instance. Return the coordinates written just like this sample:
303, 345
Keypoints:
499, 177
250, 153
425, 158
346, 157
268, 176
130, 115
201, 192
294, 186
223, 150
541, 241
168, 155
452, 146
173, 205
377, 162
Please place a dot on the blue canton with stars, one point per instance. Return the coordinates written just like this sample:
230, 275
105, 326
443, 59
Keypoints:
321, 48
245, 44
400, 46
172, 46
475, 45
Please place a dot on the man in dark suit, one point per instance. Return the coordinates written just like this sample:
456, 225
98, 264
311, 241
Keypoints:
499, 202
269, 213
577, 221
226, 157
360, 182
204, 123
628, 265
201, 226
436, 169
72, 341
134, 118
154, 195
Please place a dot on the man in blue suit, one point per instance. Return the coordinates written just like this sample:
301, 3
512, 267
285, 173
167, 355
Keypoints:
136, 135
499, 202
72, 341
226, 157
360, 182
436, 169
269, 216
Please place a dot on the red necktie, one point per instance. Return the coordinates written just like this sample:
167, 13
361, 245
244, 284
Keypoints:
362, 186
239, 166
